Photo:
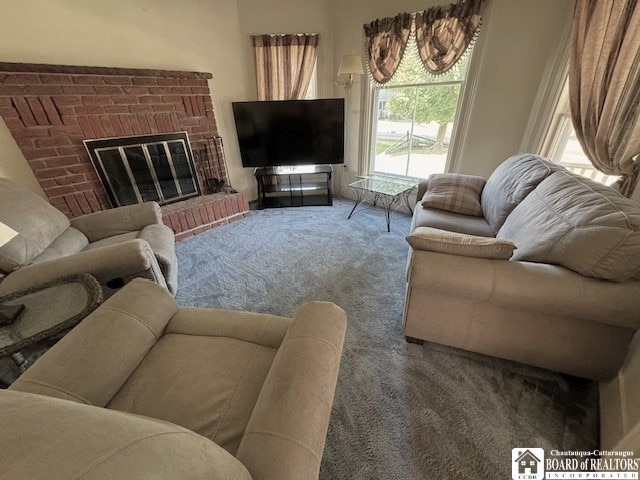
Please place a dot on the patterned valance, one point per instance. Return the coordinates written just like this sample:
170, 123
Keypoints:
443, 35
386, 40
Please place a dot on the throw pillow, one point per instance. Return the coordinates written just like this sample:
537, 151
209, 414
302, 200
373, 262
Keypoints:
455, 193
441, 241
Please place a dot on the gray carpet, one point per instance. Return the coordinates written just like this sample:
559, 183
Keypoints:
401, 411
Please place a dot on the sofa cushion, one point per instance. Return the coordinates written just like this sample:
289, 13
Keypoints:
434, 240
453, 192
453, 222
71, 241
38, 224
232, 350
580, 224
46, 437
510, 183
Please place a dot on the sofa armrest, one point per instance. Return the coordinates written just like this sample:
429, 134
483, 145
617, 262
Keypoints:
92, 362
536, 286
454, 243
116, 221
286, 433
126, 259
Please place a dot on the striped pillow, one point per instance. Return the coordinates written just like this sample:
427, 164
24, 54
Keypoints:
454, 192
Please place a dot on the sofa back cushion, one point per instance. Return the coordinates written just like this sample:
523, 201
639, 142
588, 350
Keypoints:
70, 242
577, 223
38, 224
510, 183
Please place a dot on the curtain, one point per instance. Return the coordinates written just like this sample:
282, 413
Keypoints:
604, 86
443, 34
385, 42
284, 65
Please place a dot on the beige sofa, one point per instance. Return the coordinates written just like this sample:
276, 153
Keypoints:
553, 312
619, 405
144, 389
114, 245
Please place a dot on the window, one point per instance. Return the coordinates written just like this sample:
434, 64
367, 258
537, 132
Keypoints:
561, 145
414, 118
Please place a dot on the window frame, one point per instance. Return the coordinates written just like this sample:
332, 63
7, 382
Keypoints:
375, 114
368, 122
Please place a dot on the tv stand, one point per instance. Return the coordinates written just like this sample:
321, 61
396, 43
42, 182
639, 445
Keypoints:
294, 186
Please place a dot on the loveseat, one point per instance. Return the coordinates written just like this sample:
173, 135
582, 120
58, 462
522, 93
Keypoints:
114, 245
143, 389
546, 274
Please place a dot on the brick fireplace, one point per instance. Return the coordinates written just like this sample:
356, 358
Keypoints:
51, 109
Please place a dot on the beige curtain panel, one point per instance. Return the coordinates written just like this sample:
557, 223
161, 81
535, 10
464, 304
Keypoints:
284, 65
444, 34
386, 40
604, 86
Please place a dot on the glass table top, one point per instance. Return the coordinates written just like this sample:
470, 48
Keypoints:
384, 185
47, 310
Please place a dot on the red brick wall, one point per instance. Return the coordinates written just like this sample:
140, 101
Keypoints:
51, 109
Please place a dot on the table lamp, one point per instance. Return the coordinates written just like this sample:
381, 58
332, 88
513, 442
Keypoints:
8, 313
350, 65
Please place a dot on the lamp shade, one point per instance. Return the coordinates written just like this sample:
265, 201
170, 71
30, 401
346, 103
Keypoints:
6, 234
350, 65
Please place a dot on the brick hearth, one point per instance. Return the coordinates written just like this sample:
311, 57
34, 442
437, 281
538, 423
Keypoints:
51, 109
199, 214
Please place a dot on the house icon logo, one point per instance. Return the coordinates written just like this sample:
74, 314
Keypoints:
527, 463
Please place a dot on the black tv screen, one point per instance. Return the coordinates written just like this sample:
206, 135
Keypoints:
290, 132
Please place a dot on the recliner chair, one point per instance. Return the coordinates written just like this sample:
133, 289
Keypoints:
143, 389
114, 246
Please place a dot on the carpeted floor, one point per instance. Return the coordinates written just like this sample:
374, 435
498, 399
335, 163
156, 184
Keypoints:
401, 411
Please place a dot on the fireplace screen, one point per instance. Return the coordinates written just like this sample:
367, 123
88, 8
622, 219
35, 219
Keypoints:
145, 168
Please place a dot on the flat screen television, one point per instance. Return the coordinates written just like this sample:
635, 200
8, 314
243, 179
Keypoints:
290, 132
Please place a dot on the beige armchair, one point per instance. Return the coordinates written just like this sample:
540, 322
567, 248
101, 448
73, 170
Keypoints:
223, 384
114, 246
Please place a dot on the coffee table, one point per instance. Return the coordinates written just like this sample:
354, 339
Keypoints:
49, 309
386, 191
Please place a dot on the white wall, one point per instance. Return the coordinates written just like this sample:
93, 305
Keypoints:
213, 36
12, 163
289, 16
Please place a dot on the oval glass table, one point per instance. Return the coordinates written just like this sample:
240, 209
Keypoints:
48, 310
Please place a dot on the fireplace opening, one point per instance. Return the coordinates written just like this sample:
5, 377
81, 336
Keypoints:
145, 168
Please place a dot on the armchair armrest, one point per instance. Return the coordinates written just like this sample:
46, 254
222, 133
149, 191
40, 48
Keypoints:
536, 286
116, 221
285, 436
126, 259
92, 362
68, 440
